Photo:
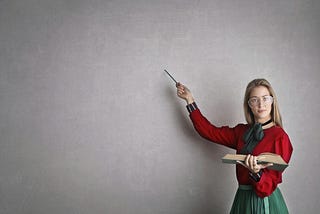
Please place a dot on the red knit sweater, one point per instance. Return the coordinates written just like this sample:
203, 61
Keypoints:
275, 140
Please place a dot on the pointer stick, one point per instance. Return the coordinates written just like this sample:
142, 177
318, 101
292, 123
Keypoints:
170, 76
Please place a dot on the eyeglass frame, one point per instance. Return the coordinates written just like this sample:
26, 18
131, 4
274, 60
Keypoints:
259, 100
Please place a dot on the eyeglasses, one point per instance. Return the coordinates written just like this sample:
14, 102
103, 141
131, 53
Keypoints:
265, 100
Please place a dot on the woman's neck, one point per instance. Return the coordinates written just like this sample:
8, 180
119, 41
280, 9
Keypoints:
262, 120
269, 123
266, 123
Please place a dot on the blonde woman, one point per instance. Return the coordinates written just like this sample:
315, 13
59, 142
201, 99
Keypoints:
258, 190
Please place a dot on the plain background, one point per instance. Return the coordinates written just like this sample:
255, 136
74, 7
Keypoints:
90, 123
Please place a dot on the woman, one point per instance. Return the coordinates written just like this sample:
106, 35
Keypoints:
258, 191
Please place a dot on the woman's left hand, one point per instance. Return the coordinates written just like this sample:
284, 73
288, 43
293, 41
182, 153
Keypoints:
252, 164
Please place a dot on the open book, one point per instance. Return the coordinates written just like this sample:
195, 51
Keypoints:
278, 163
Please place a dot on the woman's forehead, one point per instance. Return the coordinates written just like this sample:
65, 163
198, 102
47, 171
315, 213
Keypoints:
259, 91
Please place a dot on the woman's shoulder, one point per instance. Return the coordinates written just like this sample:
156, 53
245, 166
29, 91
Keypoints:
277, 132
278, 129
241, 127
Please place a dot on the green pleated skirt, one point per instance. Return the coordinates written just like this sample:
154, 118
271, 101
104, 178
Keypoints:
246, 201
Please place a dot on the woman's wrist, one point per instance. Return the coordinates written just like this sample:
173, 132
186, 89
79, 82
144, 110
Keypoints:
191, 107
256, 176
189, 100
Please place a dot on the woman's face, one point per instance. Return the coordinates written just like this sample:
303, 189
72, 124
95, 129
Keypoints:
260, 103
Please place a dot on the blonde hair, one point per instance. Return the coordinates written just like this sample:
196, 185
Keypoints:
275, 112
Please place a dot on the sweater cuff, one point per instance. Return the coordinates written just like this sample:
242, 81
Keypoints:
256, 176
191, 107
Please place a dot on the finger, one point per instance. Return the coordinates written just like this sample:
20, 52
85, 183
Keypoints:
241, 163
254, 161
180, 91
246, 161
262, 166
254, 166
181, 88
251, 163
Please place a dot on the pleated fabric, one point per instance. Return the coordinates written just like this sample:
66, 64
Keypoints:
246, 201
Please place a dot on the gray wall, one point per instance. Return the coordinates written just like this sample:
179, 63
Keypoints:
90, 123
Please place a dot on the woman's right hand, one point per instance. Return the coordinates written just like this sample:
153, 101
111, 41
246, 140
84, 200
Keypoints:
184, 93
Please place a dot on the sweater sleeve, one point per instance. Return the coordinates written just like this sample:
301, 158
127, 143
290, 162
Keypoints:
222, 135
271, 178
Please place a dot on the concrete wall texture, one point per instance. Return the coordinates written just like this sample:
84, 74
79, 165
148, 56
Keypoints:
90, 123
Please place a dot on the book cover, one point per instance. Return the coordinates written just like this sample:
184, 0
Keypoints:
278, 163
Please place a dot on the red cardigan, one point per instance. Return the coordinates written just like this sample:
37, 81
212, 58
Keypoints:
275, 140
